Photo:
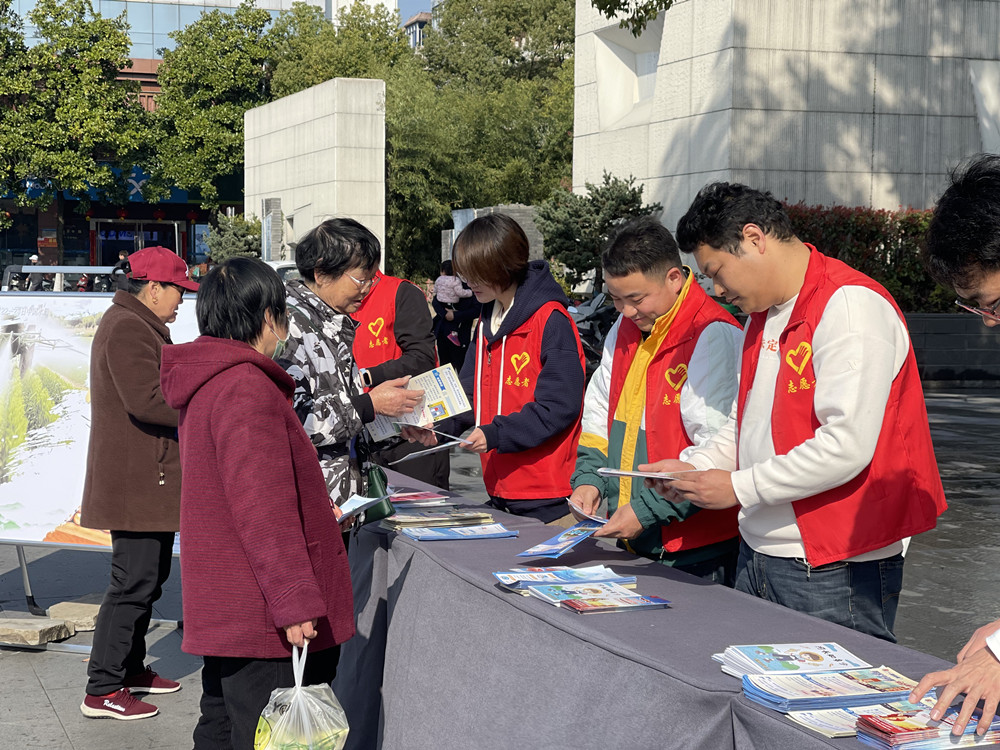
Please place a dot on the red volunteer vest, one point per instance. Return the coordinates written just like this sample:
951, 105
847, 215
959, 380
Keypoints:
375, 340
511, 366
899, 493
666, 436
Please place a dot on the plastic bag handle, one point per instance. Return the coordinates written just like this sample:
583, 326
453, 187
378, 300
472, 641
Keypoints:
299, 663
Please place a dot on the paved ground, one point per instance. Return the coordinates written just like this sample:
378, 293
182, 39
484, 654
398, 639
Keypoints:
951, 587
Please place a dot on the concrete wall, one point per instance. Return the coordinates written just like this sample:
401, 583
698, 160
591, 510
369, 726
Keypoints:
322, 153
851, 102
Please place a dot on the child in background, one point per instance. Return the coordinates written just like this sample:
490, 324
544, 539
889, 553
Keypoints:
448, 287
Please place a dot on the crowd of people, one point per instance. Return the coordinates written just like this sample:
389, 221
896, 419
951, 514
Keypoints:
803, 437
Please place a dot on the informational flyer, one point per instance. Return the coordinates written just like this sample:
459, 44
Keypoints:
443, 397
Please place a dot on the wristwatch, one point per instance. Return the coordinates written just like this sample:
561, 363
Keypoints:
366, 377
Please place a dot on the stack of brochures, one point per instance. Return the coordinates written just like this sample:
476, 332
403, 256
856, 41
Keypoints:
842, 722
914, 730
784, 658
520, 579
590, 598
436, 518
811, 692
487, 531
409, 499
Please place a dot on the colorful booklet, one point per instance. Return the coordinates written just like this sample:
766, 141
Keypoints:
436, 518
614, 604
444, 397
810, 692
409, 499
522, 579
914, 730
562, 543
781, 658
557, 593
490, 531
841, 722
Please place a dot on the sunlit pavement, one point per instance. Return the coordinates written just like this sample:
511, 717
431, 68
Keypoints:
951, 586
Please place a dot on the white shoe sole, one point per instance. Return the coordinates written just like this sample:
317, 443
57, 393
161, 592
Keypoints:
153, 691
102, 713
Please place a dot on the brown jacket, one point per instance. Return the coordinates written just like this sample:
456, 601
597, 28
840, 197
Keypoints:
133, 462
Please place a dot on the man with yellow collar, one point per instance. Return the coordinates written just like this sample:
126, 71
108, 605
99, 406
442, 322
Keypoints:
666, 383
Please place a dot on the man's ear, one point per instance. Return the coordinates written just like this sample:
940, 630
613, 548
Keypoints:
754, 237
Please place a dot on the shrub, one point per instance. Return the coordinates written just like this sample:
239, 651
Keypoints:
885, 245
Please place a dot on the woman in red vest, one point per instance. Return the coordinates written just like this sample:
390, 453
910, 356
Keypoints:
524, 374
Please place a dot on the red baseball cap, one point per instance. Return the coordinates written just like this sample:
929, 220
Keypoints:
160, 264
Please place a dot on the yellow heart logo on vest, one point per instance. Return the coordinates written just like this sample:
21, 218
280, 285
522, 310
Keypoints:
376, 326
520, 361
799, 357
676, 376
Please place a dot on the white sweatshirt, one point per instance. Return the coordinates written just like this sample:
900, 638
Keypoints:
859, 346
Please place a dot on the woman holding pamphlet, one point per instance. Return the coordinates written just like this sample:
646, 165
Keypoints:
524, 374
263, 565
337, 261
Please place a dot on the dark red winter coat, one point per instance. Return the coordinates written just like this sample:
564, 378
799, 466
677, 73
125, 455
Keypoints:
260, 549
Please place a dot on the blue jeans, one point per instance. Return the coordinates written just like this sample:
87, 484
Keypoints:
858, 595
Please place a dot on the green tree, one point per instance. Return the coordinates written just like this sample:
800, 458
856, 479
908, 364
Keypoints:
483, 43
68, 124
233, 235
576, 227
633, 15
219, 69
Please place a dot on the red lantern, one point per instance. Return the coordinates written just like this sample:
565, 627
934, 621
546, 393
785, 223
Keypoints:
159, 214
122, 213
192, 215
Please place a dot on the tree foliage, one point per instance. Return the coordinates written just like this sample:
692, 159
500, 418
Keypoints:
219, 69
633, 15
67, 123
231, 236
576, 227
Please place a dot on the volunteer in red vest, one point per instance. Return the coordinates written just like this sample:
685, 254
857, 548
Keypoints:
963, 253
395, 338
525, 373
666, 383
828, 452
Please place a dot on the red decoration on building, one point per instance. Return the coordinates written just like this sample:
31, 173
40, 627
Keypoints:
122, 213
192, 215
159, 214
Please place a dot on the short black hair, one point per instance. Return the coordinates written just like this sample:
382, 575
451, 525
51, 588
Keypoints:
446, 268
492, 250
641, 245
720, 211
234, 296
963, 239
336, 246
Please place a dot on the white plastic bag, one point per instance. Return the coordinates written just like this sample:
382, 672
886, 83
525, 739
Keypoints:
301, 718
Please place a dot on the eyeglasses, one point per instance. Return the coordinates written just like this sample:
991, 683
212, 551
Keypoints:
984, 312
364, 284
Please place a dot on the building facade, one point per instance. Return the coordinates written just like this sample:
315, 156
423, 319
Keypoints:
830, 102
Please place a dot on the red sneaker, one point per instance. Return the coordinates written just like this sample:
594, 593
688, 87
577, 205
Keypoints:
118, 705
150, 682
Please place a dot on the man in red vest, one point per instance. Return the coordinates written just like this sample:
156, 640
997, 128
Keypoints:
395, 338
666, 383
828, 453
963, 253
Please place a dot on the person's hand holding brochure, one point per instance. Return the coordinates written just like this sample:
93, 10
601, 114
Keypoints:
443, 397
355, 505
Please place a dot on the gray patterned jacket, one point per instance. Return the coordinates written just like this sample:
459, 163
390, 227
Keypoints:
320, 361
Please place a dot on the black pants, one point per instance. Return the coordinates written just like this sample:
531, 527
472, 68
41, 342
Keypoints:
434, 468
140, 565
234, 691
546, 510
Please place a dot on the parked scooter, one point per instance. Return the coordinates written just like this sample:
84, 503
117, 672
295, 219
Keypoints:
593, 319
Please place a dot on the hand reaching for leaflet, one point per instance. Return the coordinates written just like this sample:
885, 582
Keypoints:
393, 399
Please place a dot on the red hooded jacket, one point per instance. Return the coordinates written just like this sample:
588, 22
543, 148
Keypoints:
260, 549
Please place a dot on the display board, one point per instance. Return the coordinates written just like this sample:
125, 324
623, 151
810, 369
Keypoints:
45, 341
